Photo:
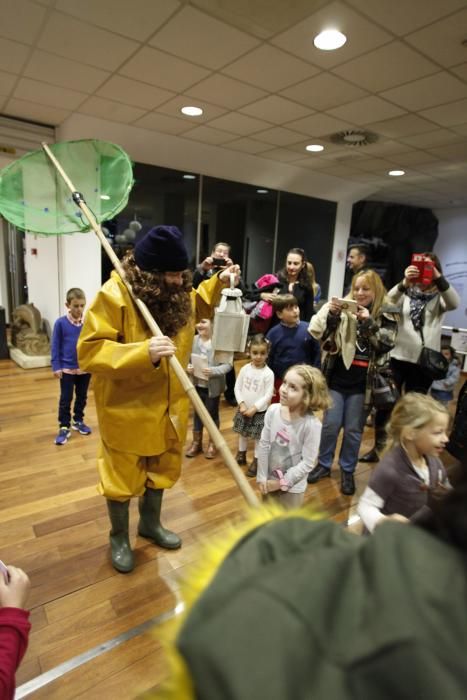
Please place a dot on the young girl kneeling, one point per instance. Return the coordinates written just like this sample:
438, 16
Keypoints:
289, 443
253, 391
402, 483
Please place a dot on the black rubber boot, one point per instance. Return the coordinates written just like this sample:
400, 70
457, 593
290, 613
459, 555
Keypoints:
122, 556
380, 444
149, 525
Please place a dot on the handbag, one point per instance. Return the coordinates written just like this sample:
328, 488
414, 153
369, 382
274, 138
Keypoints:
384, 390
433, 363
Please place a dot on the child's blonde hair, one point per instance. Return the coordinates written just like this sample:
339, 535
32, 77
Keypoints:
413, 411
315, 392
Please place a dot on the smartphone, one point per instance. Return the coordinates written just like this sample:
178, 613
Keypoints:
347, 304
218, 262
4, 571
425, 267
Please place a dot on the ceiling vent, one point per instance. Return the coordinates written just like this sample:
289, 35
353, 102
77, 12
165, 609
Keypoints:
354, 137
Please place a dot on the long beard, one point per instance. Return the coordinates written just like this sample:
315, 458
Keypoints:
171, 308
169, 304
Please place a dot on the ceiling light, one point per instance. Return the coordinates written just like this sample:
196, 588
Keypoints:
314, 147
105, 196
396, 173
192, 111
189, 177
262, 191
329, 40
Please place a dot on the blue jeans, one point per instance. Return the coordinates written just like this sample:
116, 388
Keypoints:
69, 382
346, 412
212, 405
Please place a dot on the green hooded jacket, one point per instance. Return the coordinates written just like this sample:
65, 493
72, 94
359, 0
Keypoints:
303, 610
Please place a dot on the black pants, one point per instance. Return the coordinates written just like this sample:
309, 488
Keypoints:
230, 379
68, 382
212, 405
410, 377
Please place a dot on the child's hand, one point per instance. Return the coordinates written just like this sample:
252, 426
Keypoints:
58, 374
14, 593
269, 486
207, 372
242, 408
250, 412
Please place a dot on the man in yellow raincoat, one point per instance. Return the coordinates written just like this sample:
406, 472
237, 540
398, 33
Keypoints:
141, 406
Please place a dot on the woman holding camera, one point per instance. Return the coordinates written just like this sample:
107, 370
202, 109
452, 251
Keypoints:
357, 333
423, 296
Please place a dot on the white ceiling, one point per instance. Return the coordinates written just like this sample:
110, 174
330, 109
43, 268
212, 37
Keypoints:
265, 89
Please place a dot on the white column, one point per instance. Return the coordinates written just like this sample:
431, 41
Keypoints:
339, 249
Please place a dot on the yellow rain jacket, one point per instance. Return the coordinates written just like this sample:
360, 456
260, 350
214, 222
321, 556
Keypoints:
141, 409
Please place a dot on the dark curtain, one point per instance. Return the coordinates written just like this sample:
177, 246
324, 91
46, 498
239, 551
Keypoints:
392, 233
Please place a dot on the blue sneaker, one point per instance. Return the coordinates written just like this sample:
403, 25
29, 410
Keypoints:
63, 435
81, 427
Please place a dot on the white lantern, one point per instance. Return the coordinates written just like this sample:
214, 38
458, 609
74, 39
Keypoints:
230, 328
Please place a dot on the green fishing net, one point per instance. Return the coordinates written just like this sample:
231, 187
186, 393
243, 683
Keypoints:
34, 196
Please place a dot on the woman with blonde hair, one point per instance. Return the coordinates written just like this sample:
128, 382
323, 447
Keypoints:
356, 340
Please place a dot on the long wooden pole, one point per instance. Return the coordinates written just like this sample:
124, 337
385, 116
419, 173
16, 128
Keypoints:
239, 477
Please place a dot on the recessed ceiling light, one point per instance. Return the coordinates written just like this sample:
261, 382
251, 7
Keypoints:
314, 147
192, 111
105, 196
262, 191
189, 177
396, 173
329, 40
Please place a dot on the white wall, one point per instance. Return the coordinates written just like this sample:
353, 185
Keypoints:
80, 264
42, 275
451, 248
339, 249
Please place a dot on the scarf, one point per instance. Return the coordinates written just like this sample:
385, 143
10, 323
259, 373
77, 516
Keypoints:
418, 301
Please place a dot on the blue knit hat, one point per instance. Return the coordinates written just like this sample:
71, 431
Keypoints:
162, 249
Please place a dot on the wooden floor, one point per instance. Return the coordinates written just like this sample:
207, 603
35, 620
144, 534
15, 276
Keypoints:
54, 525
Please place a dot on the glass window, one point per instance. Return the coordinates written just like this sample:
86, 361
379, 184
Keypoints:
308, 223
237, 214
